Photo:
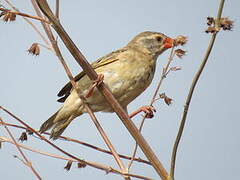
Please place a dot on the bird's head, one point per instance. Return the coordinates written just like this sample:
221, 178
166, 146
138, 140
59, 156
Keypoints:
153, 43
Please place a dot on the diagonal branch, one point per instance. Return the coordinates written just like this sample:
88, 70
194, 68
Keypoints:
163, 76
53, 145
29, 22
82, 143
108, 169
26, 161
23, 15
189, 97
88, 109
57, 9
43, 5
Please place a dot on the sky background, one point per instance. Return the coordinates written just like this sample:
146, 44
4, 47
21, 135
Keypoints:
210, 144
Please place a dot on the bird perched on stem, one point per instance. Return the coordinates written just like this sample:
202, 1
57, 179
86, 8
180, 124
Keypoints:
127, 72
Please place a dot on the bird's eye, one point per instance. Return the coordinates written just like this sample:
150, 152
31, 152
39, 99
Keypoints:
159, 38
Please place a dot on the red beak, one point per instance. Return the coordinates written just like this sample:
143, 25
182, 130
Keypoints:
168, 43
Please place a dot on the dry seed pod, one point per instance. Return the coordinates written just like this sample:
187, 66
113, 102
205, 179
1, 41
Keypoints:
180, 40
166, 99
69, 165
8, 16
226, 23
34, 49
180, 53
23, 137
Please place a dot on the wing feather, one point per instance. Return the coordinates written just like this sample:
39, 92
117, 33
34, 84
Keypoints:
110, 58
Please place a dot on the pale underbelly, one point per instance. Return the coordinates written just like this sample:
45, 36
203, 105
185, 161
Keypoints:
125, 89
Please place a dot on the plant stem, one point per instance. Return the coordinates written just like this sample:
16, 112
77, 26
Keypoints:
26, 161
189, 97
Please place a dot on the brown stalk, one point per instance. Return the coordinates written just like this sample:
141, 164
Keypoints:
29, 22
56, 147
57, 9
108, 142
104, 151
55, 46
108, 169
82, 143
26, 161
90, 112
189, 97
163, 76
23, 14
43, 5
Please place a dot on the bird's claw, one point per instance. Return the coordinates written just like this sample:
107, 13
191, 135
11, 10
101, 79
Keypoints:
99, 80
148, 110
95, 83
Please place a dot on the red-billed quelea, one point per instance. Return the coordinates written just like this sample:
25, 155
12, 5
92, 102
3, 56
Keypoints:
127, 72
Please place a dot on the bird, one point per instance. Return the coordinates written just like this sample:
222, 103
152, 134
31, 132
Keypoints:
127, 72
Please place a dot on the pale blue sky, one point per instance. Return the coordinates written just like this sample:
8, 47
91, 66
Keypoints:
210, 146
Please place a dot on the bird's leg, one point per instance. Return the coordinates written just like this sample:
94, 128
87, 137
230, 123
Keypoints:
95, 83
148, 110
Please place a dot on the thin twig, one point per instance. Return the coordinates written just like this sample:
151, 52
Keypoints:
82, 143
55, 46
103, 150
189, 97
163, 76
104, 90
94, 164
26, 161
108, 142
29, 22
44, 46
39, 135
24, 15
52, 144
57, 9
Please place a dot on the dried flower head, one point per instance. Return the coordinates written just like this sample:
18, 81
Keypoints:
8, 16
211, 29
23, 137
180, 53
81, 165
210, 21
167, 100
34, 49
69, 165
226, 23
2, 13
180, 40
175, 68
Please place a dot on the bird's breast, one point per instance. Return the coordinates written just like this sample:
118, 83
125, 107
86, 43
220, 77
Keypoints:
128, 80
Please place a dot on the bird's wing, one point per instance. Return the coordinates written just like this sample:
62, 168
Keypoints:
110, 58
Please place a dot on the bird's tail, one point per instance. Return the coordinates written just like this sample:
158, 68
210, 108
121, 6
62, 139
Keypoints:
49, 123
58, 124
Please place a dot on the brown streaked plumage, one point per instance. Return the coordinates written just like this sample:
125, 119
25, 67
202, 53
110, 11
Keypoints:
127, 72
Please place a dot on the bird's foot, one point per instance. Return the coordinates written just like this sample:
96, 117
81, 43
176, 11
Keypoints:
148, 110
95, 83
